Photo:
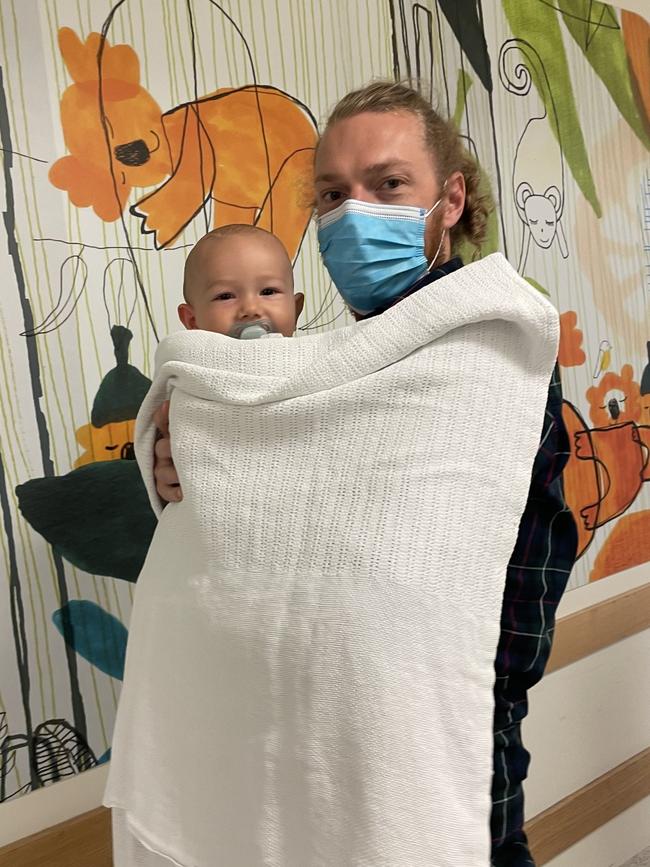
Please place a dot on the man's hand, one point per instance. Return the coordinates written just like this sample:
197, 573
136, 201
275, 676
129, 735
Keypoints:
164, 471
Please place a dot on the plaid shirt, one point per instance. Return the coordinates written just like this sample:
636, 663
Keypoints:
535, 581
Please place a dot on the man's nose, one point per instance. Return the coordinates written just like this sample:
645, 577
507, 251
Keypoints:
362, 194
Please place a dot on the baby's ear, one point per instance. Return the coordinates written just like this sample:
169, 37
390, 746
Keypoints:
299, 300
187, 317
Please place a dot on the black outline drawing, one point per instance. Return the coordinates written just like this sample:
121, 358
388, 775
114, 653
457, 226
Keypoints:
190, 108
138, 152
122, 260
545, 226
465, 18
17, 613
25, 156
51, 321
592, 26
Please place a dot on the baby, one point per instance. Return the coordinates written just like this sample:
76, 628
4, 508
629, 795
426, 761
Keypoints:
236, 277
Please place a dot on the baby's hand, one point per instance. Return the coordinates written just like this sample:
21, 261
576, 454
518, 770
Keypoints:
164, 471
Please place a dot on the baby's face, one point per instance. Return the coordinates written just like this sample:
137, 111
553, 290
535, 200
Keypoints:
240, 279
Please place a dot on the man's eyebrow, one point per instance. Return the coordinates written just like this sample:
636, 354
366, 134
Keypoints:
374, 169
329, 177
378, 168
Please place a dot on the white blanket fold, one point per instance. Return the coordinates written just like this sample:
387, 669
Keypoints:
310, 665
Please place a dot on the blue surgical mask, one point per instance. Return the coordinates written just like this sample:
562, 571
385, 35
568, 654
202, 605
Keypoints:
374, 252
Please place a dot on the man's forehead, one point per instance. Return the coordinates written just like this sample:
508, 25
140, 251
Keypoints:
371, 142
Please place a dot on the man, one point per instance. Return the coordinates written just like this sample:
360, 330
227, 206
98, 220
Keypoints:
383, 148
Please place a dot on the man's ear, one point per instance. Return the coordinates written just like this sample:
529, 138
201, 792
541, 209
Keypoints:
187, 317
299, 300
454, 201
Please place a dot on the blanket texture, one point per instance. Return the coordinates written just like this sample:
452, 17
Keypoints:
310, 665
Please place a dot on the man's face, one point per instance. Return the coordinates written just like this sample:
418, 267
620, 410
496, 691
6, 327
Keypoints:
383, 158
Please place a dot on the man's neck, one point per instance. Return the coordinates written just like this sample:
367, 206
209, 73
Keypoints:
436, 273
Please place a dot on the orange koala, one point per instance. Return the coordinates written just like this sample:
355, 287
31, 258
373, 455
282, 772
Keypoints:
628, 545
620, 460
610, 462
106, 162
605, 472
606, 407
247, 152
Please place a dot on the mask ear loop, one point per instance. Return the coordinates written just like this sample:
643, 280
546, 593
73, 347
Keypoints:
442, 237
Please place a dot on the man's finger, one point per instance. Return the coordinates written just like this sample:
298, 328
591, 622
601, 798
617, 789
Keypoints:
161, 418
166, 475
169, 493
163, 451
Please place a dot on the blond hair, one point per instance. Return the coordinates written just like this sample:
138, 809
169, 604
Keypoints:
443, 141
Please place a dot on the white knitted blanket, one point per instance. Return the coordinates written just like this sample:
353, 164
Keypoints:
310, 665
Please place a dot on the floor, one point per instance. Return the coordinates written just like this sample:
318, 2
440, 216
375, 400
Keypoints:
640, 860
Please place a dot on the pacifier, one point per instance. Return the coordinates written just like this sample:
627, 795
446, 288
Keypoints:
251, 330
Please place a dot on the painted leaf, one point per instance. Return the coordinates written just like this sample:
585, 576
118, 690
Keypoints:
10, 748
463, 84
60, 751
537, 286
105, 757
95, 634
463, 18
571, 353
636, 36
464, 248
467, 251
538, 24
599, 38
98, 517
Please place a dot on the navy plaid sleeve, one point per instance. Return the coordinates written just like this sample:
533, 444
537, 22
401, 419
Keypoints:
536, 578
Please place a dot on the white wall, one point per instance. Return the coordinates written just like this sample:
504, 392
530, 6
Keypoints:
51, 805
641, 7
587, 718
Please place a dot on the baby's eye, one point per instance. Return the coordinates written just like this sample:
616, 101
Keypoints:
269, 290
224, 296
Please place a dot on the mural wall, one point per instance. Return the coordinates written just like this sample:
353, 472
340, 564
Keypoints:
131, 127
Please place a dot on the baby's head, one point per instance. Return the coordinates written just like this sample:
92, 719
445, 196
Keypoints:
237, 275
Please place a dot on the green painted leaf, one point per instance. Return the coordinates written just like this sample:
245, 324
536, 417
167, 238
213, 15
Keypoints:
468, 252
537, 23
463, 84
98, 516
537, 286
600, 40
95, 634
